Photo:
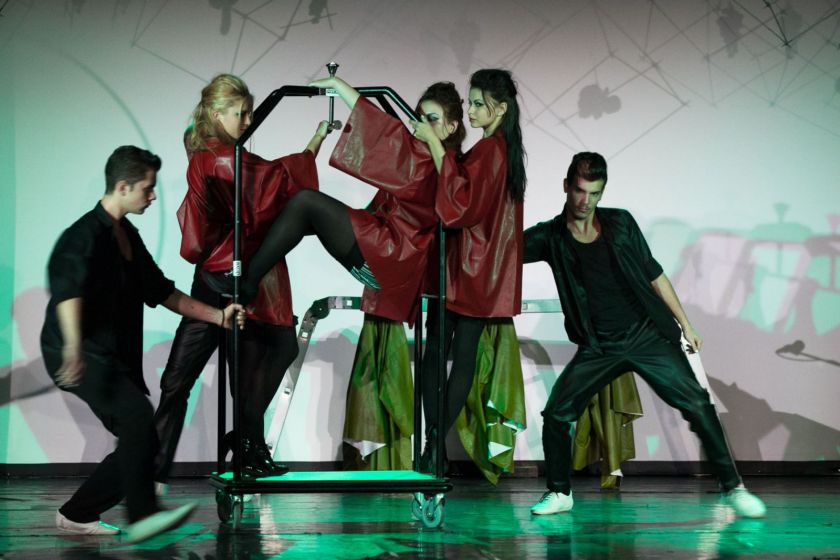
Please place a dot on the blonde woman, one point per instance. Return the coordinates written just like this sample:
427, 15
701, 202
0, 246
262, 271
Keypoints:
268, 344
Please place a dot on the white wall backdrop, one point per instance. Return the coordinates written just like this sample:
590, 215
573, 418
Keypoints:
720, 120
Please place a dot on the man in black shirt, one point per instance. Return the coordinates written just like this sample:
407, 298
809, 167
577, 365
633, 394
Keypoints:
100, 275
624, 315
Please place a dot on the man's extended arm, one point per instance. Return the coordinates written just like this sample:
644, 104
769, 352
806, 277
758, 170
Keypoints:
182, 304
662, 286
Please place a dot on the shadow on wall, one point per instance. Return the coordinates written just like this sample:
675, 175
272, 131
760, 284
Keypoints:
26, 387
750, 421
750, 294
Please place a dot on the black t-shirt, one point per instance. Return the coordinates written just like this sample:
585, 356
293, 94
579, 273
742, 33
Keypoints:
87, 263
613, 307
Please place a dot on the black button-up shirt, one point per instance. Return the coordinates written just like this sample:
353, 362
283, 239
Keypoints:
551, 241
87, 263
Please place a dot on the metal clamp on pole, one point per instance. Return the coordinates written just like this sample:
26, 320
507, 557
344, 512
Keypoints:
331, 93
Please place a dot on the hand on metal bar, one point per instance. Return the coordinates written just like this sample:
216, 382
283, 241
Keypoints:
334, 87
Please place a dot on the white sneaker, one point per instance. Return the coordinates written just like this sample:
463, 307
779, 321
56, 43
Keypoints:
90, 528
158, 523
553, 502
161, 489
745, 503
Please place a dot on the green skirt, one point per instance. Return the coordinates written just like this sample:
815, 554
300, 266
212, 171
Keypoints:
495, 409
379, 420
604, 432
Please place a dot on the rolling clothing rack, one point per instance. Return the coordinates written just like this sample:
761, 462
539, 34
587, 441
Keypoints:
428, 490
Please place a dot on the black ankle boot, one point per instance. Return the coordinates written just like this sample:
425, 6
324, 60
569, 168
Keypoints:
265, 455
257, 461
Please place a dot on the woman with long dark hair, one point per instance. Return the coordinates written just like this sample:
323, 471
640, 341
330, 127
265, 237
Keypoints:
381, 151
479, 199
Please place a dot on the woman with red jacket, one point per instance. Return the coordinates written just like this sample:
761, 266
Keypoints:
480, 199
379, 150
386, 245
268, 344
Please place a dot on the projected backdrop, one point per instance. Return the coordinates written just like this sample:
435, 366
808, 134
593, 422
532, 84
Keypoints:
720, 121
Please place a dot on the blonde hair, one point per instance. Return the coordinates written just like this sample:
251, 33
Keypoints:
222, 92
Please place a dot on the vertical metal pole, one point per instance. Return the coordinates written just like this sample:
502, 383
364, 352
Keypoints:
418, 393
441, 357
237, 272
332, 67
222, 403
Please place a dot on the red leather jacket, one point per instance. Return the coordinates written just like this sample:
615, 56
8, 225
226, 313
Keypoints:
397, 229
484, 253
206, 216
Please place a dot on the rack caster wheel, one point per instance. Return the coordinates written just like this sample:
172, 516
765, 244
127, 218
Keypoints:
229, 508
428, 509
417, 506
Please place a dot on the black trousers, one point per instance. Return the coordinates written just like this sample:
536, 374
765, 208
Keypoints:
127, 472
663, 366
266, 351
461, 336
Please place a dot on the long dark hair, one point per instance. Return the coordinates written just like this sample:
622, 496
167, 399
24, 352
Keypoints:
446, 95
499, 85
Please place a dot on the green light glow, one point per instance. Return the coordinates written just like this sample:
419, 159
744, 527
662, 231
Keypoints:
652, 443
346, 476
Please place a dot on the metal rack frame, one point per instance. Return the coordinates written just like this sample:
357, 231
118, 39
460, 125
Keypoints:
427, 505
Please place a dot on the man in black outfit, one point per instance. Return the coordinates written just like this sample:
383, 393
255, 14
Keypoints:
100, 275
624, 315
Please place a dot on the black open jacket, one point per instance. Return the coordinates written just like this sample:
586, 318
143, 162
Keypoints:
551, 241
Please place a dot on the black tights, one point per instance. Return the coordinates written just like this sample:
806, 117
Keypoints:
461, 336
266, 352
308, 212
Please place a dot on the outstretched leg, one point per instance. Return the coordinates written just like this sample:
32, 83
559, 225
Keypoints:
666, 369
308, 212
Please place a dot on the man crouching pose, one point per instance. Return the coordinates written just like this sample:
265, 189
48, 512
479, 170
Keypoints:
620, 309
100, 275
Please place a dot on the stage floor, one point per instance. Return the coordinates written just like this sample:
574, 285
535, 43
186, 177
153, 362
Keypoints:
652, 517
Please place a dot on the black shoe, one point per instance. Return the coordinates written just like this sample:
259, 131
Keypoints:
265, 455
257, 461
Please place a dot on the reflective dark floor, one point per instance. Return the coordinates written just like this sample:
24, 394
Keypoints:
652, 517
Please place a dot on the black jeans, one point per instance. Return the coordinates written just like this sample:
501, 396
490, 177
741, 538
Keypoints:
663, 366
266, 351
127, 472
461, 336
